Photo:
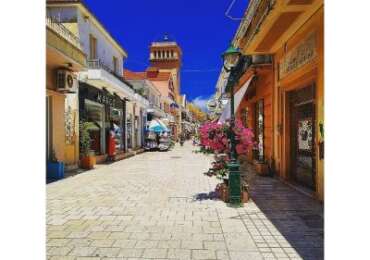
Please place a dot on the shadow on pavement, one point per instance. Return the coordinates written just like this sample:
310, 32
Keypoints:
297, 217
206, 196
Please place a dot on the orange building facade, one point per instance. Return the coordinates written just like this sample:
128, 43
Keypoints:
285, 102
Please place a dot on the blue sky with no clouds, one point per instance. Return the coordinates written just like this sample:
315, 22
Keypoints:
200, 27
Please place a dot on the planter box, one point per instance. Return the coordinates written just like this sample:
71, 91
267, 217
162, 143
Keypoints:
88, 162
55, 170
261, 168
223, 192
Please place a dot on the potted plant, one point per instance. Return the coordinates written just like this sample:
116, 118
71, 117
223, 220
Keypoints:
88, 159
55, 168
261, 167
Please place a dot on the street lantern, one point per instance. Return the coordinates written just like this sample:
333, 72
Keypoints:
231, 59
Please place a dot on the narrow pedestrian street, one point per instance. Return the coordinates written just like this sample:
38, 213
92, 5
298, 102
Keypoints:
159, 205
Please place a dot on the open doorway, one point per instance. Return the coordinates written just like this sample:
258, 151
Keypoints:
302, 137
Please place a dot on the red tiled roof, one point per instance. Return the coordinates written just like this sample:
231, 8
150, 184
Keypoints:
131, 75
152, 74
155, 69
161, 76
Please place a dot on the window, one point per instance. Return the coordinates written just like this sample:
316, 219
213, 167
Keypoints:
167, 54
93, 47
172, 54
259, 130
244, 116
115, 65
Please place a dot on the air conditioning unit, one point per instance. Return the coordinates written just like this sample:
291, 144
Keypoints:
66, 81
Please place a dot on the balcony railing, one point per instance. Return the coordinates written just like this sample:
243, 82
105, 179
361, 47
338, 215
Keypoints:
98, 64
63, 31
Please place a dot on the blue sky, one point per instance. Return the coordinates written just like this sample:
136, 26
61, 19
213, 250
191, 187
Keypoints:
200, 27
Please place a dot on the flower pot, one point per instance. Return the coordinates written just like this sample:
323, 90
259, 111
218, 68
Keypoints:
55, 170
223, 192
245, 196
261, 168
88, 162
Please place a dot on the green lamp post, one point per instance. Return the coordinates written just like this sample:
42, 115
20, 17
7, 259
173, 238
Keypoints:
232, 60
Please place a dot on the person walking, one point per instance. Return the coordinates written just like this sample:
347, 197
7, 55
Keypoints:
111, 143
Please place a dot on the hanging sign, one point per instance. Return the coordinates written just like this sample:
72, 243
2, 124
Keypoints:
298, 56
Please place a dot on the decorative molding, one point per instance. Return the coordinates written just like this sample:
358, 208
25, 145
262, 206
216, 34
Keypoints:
300, 55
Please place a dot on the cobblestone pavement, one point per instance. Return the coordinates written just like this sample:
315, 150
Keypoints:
159, 205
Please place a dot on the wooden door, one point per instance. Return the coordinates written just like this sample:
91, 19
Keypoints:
302, 139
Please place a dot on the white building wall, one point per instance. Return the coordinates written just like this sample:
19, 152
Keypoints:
105, 49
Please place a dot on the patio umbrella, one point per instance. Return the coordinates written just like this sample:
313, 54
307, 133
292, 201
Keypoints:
157, 127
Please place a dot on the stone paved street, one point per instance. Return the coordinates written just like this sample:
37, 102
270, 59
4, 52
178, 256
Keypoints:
159, 205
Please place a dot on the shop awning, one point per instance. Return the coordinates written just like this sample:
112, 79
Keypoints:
157, 126
238, 96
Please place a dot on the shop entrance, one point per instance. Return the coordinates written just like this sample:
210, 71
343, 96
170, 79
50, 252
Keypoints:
302, 122
95, 114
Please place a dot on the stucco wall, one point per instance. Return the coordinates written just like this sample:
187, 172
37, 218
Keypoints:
74, 20
105, 49
57, 119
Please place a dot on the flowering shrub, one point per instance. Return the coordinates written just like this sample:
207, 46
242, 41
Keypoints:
218, 169
215, 137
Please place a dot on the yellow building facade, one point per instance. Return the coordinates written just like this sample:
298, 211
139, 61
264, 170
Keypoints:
292, 32
64, 57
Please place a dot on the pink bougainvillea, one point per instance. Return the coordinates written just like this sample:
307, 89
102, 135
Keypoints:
214, 137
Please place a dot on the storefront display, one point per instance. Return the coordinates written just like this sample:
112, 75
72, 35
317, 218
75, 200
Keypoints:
302, 117
94, 113
117, 121
106, 112
129, 131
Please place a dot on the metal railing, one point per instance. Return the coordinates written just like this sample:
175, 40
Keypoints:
63, 31
98, 64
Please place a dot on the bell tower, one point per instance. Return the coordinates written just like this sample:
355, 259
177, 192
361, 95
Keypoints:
166, 55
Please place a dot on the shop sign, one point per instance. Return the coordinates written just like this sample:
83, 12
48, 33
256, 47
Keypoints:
298, 56
105, 99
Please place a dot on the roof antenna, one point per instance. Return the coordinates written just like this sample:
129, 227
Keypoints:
228, 10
